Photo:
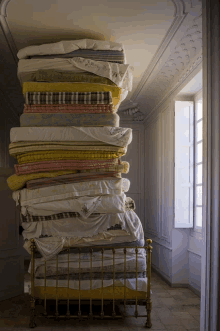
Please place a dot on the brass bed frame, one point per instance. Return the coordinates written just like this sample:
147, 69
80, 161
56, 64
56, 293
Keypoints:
111, 294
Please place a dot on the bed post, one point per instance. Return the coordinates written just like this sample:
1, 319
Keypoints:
149, 303
32, 323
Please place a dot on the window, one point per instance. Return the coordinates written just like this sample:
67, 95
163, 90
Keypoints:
198, 185
188, 164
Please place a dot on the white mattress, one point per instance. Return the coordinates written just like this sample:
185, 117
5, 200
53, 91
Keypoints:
67, 46
120, 74
77, 227
116, 136
85, 206
68, 191
96, 283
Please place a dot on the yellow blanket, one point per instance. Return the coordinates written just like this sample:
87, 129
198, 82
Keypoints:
65, 155
20, 148
73, 87
17, 182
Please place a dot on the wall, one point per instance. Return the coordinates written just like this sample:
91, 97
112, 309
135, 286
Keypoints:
176, 252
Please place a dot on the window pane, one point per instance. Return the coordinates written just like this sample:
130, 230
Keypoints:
199, 174
199, 131
199, 195
198, 110
198, 216
199, 153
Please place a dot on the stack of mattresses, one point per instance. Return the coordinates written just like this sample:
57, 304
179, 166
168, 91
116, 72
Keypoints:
68, 182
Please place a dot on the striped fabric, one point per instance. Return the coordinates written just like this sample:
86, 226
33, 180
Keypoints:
65, 108
31, 218
72, 178
64, 165
49, 98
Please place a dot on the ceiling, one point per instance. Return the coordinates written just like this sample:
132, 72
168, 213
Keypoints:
150, 30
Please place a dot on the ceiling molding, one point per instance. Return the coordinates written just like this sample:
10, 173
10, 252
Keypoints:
6, 30
172, 92
181, 11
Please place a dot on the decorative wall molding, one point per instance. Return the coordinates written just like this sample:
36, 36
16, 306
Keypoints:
6, 30
134, 112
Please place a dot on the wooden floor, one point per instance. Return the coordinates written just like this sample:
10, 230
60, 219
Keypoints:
174, 309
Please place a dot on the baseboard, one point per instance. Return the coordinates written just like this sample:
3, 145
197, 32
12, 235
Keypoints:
174, 285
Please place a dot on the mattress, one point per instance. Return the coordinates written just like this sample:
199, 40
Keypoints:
38, 156
71, 98
85, 206
52, 75
42, 166
67, 191
69, 109
120, 74
118, 95
78, 227
25, 147
16, 182
107, 56
67, 46
118, 292
110, 135
49, 247
118, 258
69, 120
70, 178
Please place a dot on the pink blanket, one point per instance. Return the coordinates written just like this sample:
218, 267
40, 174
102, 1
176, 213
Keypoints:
77, 108
34, 167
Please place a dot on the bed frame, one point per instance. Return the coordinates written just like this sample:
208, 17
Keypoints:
121, 295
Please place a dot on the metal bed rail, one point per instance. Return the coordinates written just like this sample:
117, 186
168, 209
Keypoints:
147, 302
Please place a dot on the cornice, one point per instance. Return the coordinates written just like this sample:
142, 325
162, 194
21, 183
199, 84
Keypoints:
6, 30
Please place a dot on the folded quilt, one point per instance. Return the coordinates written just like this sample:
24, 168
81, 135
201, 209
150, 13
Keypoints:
68, 191
63, 165
65, 108
110, 135
16, 182
84, 206
78, 227
67, 46
71, 178
69, 120
50, 98
120, 74
25, 147
39, 156
51, 75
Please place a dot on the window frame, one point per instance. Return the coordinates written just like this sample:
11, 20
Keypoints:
196, 229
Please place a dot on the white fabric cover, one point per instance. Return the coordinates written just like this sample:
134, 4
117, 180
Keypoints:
96, 283
116, 136
120, 74
85, 206
96, 259
67, 46
68, 191
50, 246
78, 227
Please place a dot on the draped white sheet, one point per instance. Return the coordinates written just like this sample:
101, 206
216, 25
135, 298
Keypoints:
77, 227
85, 206
120, 74
116, 136
73, 190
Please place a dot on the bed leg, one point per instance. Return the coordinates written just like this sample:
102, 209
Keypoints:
148, 308
32, 323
